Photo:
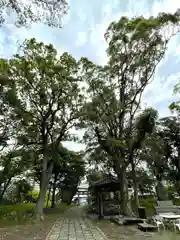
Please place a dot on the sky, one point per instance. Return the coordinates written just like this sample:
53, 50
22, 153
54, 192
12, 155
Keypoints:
82, 34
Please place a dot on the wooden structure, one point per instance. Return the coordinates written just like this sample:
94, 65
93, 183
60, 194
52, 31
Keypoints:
147, 227
108, 184
132, 220
123, 220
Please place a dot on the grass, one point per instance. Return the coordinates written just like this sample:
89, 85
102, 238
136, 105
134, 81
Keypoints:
20, 214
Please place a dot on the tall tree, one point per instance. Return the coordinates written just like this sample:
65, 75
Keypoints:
135, 47
34, 11
49, 90
8, 124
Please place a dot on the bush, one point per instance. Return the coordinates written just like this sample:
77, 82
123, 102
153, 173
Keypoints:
17, 207
148, 203
176, 201
18, 213
24, 213
33, 197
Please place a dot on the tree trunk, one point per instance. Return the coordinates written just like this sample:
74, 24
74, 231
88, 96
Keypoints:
161, 192
49, 193
123, 193
45, 176
135, 186
54, 191
40, 202
4, 189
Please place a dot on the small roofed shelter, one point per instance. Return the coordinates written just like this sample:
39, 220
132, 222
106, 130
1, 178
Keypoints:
108, 184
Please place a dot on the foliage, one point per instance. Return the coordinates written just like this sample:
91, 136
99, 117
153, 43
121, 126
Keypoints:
8, 124
149, 204
156, 155
144, 178
34, 11
20, 214
42, 98
34, 194
50, 100
68, 170
16, 214
135, 48
71, 170
94, 175
47, 86
22, 188
116, 89
13, 163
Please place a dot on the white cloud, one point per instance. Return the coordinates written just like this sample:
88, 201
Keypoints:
11, 34
82, 15
107, 10
97, 35
81, 38
165, 6
11, 37
160, 89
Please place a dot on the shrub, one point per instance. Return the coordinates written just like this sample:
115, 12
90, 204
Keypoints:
148, 203
24, 213
176, 201
33, 197
18, 213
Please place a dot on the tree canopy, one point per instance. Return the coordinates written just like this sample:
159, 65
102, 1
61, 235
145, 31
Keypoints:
135, 48
45, 96
34, 11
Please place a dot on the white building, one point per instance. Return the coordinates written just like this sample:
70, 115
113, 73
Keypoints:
82, 193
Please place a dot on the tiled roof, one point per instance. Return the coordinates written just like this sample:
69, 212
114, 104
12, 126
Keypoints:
107, 180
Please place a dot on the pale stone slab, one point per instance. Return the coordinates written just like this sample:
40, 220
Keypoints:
72, 226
